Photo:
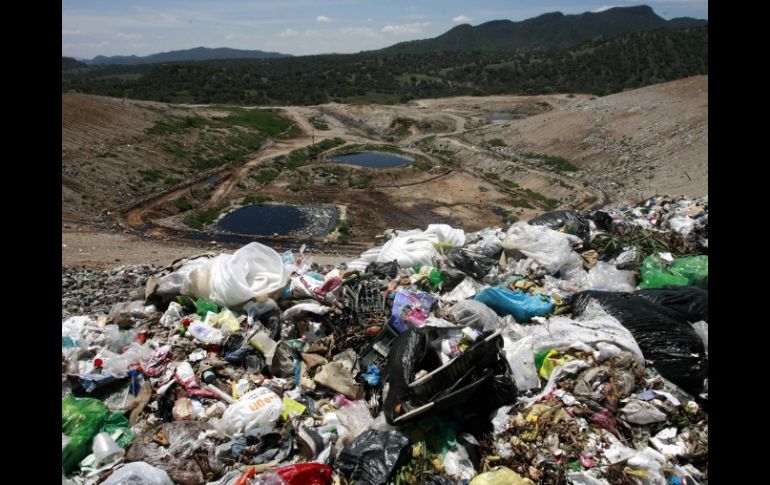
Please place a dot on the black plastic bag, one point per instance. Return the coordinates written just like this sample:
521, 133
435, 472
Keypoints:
572, 222
373, 456
272, 321
470, 263
165, 409
233, 343
383, 270
690, 302
602, 220
258, 445
677, 352
450, 277
406, 357
284, 360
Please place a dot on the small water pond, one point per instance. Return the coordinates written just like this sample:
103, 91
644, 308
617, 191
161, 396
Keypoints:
281, 220
372, 159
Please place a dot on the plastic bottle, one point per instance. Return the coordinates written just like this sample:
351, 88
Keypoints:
205, 333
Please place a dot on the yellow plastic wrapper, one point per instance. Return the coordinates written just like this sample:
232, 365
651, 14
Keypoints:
291, 408
225, 321
552, 361
500, 476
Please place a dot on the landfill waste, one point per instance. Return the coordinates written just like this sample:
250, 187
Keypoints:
673, 345
570, 349
571, 222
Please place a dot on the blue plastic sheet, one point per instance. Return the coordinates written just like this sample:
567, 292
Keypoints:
517, 303
372, 375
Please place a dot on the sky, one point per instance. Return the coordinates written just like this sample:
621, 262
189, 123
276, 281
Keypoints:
300, 27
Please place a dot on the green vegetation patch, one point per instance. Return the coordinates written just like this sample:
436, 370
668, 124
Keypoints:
556, 163
266, 121
182, 204
199, 219
265, 176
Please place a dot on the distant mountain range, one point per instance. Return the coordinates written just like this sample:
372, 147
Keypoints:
195, 54
597, 53
70, 63
549, 31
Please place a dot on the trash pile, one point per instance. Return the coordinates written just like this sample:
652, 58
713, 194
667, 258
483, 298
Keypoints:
572, 348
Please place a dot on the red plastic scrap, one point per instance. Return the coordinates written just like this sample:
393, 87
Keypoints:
244, 480
306, 474
606, 421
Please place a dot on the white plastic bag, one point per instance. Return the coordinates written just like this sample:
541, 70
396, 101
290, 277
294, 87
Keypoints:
499, 419
173, 283
457, 463
642, 412
681, 224
474, 314
652, 462
468, 288
117, 364
594, 326
305, 307
355, 417
586, 477
138, 473
368, 256
550, 249
233, 279
410, 248
447, 234
606, 277
258, 407
173, 315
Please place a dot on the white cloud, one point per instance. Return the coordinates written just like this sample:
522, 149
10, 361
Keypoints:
85, 44
370, 19
413, 28
603, 8
363, 31
462, 18
230, 37
72, 32
323, 18
680, 2
96, 24
123, 35
288, 33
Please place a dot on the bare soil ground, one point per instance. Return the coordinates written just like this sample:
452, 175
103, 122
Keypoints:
630, 145
83, 246
627, 146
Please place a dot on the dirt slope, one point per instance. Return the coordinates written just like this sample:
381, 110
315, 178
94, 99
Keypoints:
631, 144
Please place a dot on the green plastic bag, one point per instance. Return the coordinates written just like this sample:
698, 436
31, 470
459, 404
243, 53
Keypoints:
118, 421
202, 307
689, 271
81, 419
432, 276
